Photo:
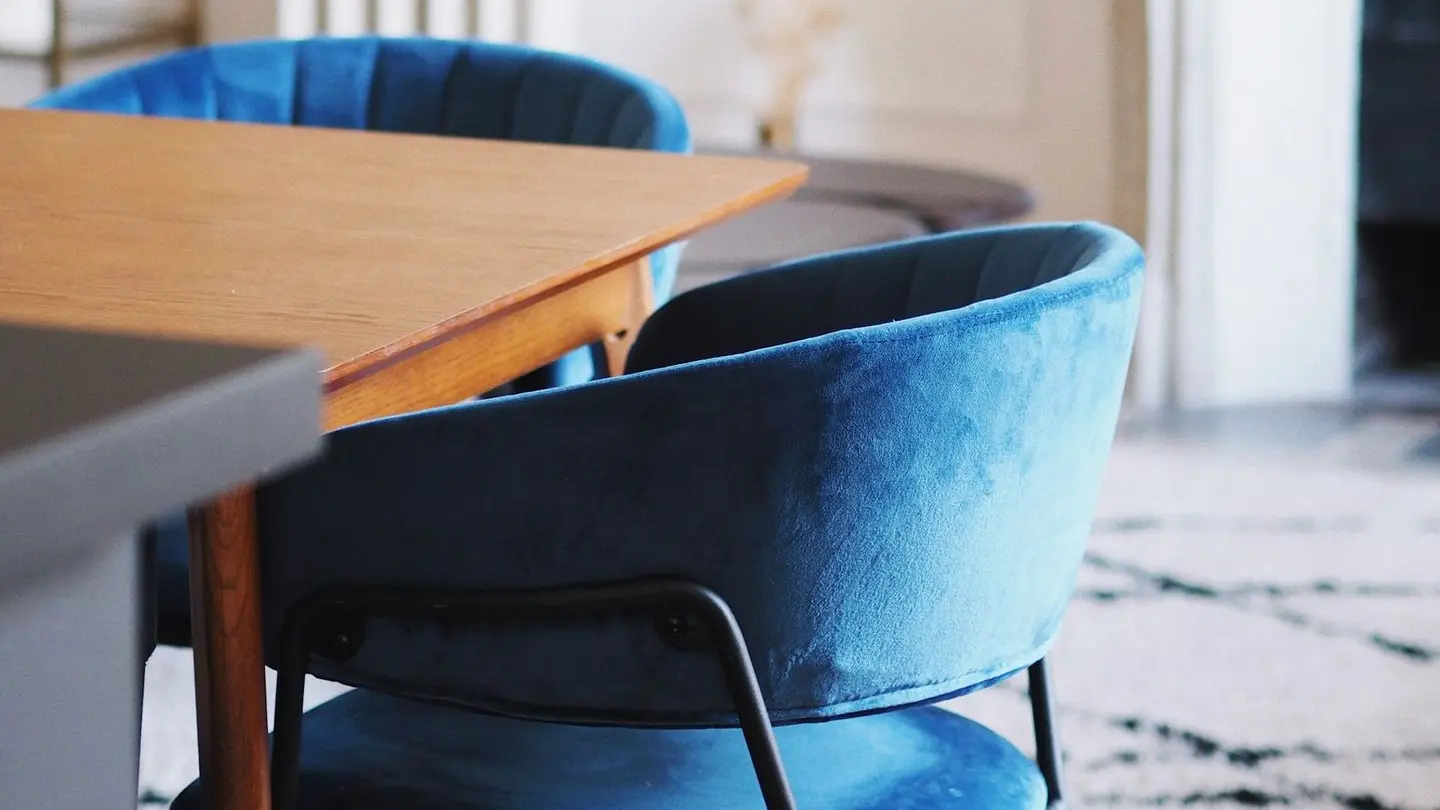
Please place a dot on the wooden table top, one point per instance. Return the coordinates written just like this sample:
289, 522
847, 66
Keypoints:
362, 244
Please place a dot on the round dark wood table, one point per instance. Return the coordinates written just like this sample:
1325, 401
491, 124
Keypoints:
942, 199
847, 203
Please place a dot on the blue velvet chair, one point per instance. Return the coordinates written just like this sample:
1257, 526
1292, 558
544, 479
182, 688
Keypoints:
471, 89
824, 495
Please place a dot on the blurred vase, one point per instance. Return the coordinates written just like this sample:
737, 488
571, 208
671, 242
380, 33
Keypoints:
786, 34
777, 133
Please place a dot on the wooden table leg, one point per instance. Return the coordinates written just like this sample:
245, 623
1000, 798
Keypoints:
642, 303
229, 658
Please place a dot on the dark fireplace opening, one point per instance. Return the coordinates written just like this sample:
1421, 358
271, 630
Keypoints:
1397, 323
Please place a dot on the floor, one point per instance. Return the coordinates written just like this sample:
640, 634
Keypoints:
1257, 623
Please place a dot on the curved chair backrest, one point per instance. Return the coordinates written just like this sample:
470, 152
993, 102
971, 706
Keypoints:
885, 460
415, 85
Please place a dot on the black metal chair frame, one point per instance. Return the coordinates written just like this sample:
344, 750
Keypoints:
687, 616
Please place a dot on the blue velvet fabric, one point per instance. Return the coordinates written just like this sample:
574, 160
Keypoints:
428, 86
171, 580
368, 751
886, 461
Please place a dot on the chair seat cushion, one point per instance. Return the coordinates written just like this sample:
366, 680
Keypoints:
368, 751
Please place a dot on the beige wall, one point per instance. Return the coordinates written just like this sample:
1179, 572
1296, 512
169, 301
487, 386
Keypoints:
1021, 88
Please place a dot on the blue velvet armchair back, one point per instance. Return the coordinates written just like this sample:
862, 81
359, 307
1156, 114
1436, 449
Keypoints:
885, 460
424, 86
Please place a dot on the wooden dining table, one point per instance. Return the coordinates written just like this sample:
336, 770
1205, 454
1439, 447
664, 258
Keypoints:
426, 269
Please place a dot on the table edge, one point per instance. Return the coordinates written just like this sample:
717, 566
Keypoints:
376, 360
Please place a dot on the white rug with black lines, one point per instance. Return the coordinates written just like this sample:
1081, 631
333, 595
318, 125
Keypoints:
1250, 633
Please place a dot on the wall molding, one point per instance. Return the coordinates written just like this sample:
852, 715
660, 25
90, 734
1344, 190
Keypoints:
1142, 131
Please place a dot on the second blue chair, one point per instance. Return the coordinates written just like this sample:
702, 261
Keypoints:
824, 496
426, 86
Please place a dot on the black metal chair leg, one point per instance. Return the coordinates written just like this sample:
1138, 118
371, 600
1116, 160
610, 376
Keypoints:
749, 703
289, 710
1047, 742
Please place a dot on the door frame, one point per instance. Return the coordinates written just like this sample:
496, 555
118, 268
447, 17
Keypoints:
1249, 224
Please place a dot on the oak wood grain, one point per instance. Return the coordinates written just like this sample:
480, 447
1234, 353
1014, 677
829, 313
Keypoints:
366, 245
229, 658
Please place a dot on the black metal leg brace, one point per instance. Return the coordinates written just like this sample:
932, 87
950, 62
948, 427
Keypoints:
672, 599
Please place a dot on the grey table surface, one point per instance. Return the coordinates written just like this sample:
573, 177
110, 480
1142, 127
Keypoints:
99, 433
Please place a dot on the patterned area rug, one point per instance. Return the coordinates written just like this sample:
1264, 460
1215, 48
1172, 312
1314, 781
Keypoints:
1252, 629
1251, 634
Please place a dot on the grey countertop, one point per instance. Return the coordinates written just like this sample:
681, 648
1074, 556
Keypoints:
100, 433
